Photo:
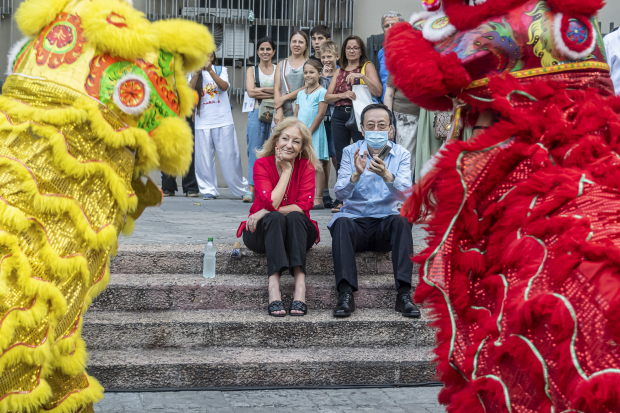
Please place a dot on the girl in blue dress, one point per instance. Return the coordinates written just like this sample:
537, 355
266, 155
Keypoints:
310, 110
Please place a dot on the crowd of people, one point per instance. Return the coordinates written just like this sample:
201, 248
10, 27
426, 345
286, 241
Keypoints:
302, 121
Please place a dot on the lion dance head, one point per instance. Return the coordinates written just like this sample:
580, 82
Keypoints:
452, 50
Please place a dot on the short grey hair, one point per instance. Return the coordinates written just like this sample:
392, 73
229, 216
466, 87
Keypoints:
391, 14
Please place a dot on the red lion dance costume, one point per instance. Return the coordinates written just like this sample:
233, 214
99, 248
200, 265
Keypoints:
523, 264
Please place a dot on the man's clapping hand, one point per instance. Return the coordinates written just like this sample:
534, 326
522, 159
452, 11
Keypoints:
360, 165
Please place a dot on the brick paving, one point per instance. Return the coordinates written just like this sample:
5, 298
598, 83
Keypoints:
368, 400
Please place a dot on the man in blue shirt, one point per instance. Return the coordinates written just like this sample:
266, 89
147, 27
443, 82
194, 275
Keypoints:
369, 220
388, 20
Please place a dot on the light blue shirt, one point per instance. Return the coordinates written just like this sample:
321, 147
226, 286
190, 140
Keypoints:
383, 72
612, 48
371, 196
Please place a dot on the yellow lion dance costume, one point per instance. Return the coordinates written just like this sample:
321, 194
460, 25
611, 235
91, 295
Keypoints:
96, 98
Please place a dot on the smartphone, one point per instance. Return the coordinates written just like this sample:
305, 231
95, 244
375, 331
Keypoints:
384, 152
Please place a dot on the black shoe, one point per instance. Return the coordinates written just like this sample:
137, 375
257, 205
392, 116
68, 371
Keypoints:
405, 306
345, 306
276, 306
168, 193
298, 306
327, 201
192, 194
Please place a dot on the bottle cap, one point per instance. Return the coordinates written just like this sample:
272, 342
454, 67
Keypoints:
210, 239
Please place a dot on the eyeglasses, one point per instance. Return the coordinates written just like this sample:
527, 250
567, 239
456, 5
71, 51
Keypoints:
352, 49
381, 126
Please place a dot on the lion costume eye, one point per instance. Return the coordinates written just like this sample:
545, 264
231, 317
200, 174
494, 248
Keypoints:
132, 94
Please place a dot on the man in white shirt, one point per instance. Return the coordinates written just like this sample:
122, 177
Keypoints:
612, 48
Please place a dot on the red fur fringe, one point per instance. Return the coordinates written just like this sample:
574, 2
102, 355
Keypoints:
564, 136
423, 75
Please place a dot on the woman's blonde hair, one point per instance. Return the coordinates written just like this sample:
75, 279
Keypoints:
307, 150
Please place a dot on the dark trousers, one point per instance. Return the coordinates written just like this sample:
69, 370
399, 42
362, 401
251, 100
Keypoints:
285, 239
169, 183
372, 234
342, 135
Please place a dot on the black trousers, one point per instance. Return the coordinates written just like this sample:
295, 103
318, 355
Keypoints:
342, 135
372, 234
169, 183
285, 239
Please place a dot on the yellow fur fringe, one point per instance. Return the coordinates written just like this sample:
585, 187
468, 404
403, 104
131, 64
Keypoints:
93, 393
27, 403
34, 15
175, 154
135, 40
181, 37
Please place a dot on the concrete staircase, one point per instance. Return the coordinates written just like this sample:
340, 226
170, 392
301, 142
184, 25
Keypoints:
160, 324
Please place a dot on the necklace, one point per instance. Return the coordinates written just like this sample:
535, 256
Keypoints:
315, 89
308, 94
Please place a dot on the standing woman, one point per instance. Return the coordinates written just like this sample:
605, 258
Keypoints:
289, 77
353, 61
259, 89
279, 223
215, 131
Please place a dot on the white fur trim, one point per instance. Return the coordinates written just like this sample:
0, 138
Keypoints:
563, 48
416, 17
478, 3
437, 35
13, 51
137, 110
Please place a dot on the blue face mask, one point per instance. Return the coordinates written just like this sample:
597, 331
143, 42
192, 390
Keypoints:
376, 139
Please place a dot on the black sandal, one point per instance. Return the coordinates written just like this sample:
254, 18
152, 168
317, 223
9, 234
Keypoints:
298, 306
276, 306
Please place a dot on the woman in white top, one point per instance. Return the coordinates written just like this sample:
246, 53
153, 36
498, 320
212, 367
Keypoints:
286, 87
258, 132
215, 131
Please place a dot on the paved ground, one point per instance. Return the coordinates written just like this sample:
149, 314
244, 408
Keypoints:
182, 220
402, 400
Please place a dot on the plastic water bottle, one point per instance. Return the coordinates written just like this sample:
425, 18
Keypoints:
208, 265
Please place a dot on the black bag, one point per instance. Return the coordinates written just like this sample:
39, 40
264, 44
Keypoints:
352, 122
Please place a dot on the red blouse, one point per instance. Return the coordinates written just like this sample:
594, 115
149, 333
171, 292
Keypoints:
342, 86
300, 190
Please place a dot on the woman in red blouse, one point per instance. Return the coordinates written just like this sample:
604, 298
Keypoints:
279, 223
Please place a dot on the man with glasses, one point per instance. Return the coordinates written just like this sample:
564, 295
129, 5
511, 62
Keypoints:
369, 220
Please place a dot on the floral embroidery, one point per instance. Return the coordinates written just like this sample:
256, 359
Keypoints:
61, 42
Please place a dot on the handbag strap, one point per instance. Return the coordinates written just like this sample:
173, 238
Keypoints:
257, 82
256, 76
363, 72
288, 89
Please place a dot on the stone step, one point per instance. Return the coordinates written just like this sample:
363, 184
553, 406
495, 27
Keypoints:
187, 259
148, 292
216, 328
241, 367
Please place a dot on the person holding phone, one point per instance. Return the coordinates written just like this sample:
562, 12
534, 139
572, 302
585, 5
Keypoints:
374, 176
